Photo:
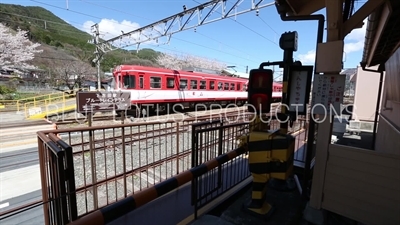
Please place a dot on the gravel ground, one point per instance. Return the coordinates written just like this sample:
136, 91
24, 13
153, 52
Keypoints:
140, 150
144, 145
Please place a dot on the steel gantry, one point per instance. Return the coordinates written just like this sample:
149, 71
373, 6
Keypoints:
202, 14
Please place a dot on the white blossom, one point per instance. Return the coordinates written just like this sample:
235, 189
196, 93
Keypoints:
73, 73
179, 62
16, 49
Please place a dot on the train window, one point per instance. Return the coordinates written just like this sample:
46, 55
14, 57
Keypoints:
120, 81
226, 86
232, 86
141, 82
212, 85
170, 82
202, 84
193, 84
183, 84
238, 87
155, 82
220, 86
129, 81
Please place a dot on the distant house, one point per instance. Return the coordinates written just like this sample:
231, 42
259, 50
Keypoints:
350, 85
365, 93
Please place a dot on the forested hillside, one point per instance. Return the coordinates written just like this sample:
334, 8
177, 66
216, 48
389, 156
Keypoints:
62, 42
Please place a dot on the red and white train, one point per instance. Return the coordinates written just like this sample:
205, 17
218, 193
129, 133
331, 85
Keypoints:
160, 89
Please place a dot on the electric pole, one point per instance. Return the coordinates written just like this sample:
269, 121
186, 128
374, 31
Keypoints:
98, 54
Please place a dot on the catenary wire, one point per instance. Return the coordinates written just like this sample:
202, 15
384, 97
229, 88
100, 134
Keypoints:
133, 27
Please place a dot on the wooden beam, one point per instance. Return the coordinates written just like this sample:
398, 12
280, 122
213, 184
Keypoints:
310, 7
291, 7
334, 29
360, 15
395, 48
386, 12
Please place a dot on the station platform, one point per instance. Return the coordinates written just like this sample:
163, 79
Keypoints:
41, 112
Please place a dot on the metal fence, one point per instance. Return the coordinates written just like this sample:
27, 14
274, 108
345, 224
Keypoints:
97, 166
110, 163
210, 140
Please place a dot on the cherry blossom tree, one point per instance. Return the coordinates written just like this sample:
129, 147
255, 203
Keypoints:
73, 74
16, 49
179, 62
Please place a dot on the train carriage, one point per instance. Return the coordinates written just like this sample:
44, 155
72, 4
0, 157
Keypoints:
159, 89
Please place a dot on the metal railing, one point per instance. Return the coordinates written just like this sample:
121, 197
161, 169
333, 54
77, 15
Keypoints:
210, 140
48, 105
58, 185
113, 162
103, 165
37, 101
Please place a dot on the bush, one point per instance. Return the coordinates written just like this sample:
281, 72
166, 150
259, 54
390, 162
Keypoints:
4, 90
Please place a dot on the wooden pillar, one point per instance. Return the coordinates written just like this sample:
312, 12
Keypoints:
334, 33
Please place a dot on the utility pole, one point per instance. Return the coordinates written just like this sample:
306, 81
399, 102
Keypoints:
98, 54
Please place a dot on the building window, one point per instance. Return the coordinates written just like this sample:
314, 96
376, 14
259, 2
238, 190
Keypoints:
183, 84
202, 84
129, 82
170, 82
155, 82
212, 85
193, 84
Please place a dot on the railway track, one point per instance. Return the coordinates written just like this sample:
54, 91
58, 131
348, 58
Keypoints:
115, 141
80, 120
6, 125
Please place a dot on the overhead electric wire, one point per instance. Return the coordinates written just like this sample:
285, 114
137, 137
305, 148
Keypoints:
44, 20
120, 11
174, 50
146, 18
227, 53
135, 27
247, 27
116, 10
47, 28
268, 25
219, 42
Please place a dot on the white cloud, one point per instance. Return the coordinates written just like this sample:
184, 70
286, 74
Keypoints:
110, 28
354, 42
309, 57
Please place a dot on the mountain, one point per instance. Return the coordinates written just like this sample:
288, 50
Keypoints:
61, 41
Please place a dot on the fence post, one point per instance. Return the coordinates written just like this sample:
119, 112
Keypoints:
42, 166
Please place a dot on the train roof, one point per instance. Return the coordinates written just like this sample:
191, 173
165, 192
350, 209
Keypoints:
169, 71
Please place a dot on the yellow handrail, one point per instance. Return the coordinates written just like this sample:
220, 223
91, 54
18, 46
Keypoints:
17, 105
47, 104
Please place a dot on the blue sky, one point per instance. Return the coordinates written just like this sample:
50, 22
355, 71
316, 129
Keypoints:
248, 41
